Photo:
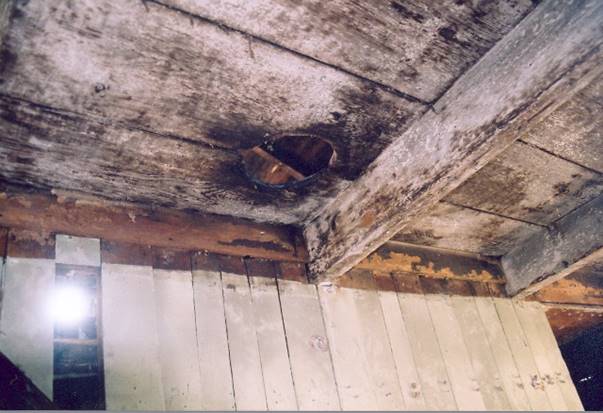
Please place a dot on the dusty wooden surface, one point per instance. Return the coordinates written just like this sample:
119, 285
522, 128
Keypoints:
156, 227
525, 77
575, 242
409, 46
398, 258
584, 286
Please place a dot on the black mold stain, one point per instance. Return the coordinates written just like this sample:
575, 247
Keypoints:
266, 245
405, 13
238, 132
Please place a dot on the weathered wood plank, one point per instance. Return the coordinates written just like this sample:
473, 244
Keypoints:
549, 255
249, 389
532, 378
276, 370
309, 352
411, 46
195, 84
463, 380
480, 354
26, 322
435, 383
398, 258
158, 227
528, 184
456, 228
414, 399
349, 360
130, 339
176, 330
574, 131
551, 54
583, 287
502, 353
568, 322
545, 348
216, 391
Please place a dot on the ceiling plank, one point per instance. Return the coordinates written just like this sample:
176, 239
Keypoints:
157, 227
576, 241
549, 56
584, 287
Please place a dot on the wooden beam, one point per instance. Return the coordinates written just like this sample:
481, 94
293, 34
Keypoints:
574, 243
155, 227
401, 258
569, 323
544, 60
584, 287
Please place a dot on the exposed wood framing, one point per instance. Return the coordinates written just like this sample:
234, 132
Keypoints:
568, 322
156, 227
575, 242
543, 61
584, 287
399, 258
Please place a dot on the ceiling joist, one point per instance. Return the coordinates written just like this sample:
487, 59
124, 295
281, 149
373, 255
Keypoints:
542, 62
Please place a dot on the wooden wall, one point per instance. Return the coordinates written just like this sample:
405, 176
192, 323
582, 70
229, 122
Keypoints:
243, 334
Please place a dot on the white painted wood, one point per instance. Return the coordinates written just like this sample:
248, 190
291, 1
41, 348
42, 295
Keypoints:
344, 331
426, 350
243, 344
77, 250
454, 352
402, 351
522, 353
510, 376
308, 347
528, 318
216, 391
130, 342
562, 373
278, 382
177, 339
479, 351
26, 326
377, 351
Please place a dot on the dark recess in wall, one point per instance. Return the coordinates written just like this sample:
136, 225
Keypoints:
584, 360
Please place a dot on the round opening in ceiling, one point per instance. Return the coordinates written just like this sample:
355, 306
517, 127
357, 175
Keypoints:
289, 160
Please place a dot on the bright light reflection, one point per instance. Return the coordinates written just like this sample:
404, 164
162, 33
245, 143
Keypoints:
69, 305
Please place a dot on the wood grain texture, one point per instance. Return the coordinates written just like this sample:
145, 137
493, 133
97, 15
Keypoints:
410, 46
528, 184
583, 287
168, 94
456, 228
527, 75
160, 227
575, 242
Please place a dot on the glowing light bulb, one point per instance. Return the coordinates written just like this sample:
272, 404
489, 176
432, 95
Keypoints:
69, 305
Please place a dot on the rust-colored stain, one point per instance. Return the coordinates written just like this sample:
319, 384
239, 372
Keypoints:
401, 262
368, 218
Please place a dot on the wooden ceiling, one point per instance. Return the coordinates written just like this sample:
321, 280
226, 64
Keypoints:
150, 101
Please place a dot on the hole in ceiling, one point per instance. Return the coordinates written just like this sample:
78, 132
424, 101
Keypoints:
288, 161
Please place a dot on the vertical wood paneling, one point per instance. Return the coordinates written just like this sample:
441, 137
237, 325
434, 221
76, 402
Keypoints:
344, 331
77, 250
482, 361
242, 340
26, 324
177, 339
424, 342
522, 353
564, 379
456, 358
131, 347
276, 370
544, 357
308, 347
402, 352
377, 351
510, 376
216, 391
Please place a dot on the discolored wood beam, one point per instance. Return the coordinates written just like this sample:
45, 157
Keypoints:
543, 61
575, 242
157, 227
400, 258
584, 287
